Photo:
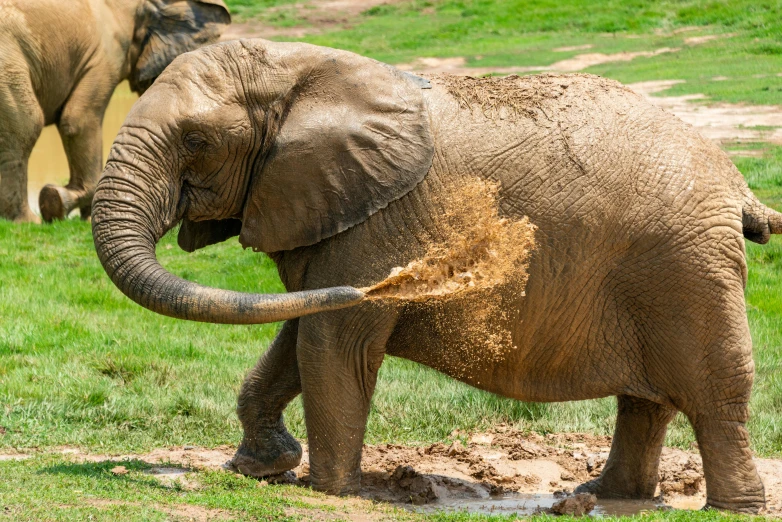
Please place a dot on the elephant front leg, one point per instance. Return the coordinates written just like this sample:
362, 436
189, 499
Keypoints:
631, 468
340, 354
267, 448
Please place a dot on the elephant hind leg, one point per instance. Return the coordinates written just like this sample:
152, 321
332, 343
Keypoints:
631, 469
719, 419
732, 481
13, 189
267, 448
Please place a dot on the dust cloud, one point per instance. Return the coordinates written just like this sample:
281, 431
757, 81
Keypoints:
479, 250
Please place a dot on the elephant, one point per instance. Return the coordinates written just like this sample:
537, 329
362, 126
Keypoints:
61, 62
336, 166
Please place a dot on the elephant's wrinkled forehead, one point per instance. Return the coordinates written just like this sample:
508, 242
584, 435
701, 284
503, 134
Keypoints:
200, 71
191, 89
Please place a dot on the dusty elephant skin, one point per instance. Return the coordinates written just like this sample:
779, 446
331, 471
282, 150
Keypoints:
60, 62
338, 166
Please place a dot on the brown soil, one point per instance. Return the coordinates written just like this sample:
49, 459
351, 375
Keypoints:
316, 16
475, 472
479, 250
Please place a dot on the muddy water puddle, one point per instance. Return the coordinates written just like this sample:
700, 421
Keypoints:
529, 503
48, 163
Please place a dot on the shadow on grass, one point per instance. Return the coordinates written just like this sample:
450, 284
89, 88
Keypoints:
103, 470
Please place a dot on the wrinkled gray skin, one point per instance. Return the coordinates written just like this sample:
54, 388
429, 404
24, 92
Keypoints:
60, 62
334, 164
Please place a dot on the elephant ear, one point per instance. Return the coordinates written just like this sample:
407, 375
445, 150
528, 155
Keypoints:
168, 28
198, 234
350, 137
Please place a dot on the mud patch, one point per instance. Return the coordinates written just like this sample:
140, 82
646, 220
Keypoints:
503, 471
721, 122
479, 250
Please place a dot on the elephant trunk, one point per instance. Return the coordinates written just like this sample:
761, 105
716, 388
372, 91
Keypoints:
130, 216
775, 222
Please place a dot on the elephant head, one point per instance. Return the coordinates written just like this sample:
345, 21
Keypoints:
285, 145
167, 28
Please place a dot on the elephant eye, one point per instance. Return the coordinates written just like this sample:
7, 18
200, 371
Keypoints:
194, 141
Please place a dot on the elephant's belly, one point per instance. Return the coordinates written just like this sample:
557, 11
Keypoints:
559, 342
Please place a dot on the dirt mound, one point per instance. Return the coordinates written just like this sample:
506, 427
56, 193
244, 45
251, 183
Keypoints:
479, 250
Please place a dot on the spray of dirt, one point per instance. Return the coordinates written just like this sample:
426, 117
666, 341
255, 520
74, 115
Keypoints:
479, 250
480, 260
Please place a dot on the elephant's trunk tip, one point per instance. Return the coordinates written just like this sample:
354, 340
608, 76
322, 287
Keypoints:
775, 222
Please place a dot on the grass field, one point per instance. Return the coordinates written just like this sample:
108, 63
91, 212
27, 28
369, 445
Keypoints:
81, 365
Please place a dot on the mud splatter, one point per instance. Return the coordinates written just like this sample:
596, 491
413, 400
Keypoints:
479, 250
577, 505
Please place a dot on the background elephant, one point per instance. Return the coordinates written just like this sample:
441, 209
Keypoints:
60, 63
337, 166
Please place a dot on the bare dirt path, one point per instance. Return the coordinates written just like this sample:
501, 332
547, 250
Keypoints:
458, 65
502, 471
721, 122
316, 16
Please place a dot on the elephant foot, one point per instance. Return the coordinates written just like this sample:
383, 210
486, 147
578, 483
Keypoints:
350, 485
269, 453
55, 203
748, 506
27, 216
601, 487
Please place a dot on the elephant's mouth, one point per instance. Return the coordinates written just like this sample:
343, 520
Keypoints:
479, 250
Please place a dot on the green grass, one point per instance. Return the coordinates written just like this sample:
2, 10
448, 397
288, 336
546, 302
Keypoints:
274, 12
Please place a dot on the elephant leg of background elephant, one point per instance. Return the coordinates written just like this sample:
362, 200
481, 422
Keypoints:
631, 469
267, 448
339, 355
22, 122
80, 128
13, 189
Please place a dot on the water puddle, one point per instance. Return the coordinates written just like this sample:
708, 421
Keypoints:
527, 504
48, 163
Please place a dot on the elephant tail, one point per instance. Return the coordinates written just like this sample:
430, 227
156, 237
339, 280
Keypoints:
759, 221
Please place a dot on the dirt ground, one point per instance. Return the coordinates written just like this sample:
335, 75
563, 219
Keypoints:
502, 471
317, 16
721, 122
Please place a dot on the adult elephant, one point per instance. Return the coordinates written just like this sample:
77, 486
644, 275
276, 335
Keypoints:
60, 62
337, 166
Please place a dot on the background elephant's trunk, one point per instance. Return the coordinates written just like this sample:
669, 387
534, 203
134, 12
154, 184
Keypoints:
130, 216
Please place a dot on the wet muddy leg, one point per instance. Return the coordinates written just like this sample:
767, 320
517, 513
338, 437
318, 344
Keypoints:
631, 469
267, 448
340, 354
